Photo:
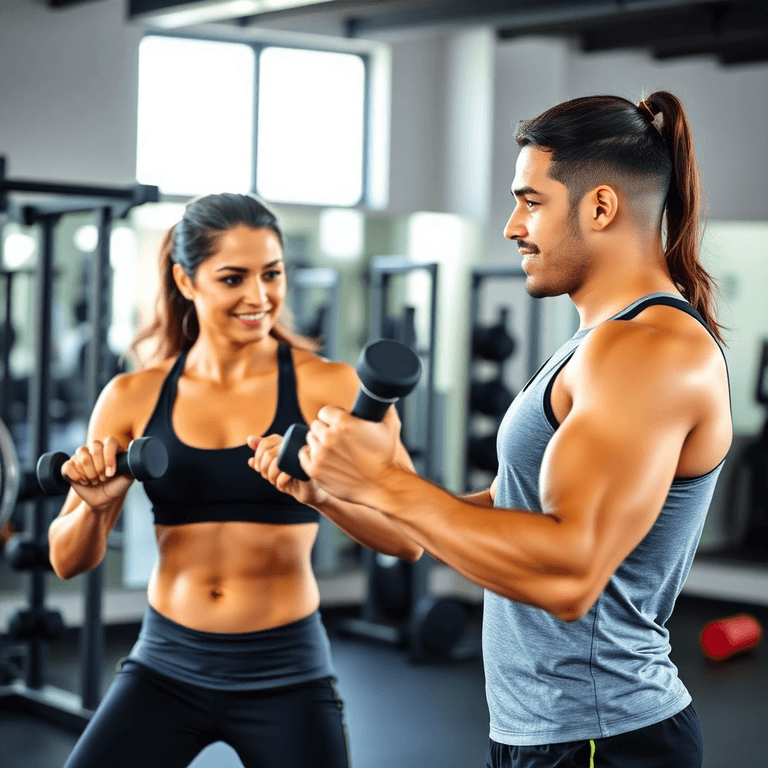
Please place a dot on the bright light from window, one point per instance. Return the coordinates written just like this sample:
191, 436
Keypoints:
310, 127
195, 122
342, 231
19, 247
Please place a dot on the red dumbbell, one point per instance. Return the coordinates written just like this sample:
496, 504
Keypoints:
723, 638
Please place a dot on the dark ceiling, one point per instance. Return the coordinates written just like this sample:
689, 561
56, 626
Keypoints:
732, 31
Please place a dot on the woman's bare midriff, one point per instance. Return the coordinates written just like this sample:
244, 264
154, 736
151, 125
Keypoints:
235, 576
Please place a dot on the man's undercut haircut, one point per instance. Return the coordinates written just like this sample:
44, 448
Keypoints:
646, 151
600, 140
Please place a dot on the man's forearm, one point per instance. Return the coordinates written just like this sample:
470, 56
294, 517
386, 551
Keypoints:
518, 554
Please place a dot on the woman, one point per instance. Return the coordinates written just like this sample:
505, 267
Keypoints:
232, 647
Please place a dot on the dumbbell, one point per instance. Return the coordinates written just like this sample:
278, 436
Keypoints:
492, 397
145, 459
388, 370
493, 342
42, 623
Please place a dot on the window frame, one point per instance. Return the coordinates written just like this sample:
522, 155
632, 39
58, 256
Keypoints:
258, 46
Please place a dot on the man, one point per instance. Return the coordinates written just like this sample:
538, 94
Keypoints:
608, 457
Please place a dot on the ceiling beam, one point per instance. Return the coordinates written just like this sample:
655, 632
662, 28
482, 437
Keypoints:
513, 17
745, 54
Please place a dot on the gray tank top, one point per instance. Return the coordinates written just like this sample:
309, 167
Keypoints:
548, 681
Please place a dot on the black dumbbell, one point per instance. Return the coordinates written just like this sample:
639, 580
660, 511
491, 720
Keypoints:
23, 553
490, 397
42, 623
493, 342
145, 459
481, 453
388, 370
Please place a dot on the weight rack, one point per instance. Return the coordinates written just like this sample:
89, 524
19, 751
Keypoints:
107, 204
479, 275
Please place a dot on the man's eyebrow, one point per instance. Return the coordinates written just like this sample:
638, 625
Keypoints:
522, 191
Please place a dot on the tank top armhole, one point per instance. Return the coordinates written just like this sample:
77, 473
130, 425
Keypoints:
548, 412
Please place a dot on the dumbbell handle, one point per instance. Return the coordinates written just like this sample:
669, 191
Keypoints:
388, 370
145, 459
296, 435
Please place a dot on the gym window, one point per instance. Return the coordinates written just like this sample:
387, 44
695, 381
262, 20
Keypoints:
287, 123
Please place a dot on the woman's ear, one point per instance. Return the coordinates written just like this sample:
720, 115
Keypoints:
183, 282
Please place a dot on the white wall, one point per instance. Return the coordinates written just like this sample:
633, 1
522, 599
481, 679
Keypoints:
68, 90
727, 107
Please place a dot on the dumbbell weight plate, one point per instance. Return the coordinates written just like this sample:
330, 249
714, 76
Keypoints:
49, 473
288, 457
10, 475
147, 459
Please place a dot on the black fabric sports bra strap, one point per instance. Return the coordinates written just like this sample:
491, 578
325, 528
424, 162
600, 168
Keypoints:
287, 397
168, 393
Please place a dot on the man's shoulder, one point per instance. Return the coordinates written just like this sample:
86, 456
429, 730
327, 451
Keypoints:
660, 357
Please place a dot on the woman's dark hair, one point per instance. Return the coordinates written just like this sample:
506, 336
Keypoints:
189, 243
644, 148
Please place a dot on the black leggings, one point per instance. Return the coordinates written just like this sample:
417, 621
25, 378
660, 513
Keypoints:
147, 720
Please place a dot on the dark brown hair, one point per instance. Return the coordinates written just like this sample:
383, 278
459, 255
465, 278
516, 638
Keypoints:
189, 243
596, 139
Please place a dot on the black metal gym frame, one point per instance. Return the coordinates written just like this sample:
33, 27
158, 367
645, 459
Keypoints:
479, 275
302, 280
107, 203
370, 623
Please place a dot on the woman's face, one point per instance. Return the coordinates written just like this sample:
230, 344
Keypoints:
239, 291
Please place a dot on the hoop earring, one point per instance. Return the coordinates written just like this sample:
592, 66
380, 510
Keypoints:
185, 322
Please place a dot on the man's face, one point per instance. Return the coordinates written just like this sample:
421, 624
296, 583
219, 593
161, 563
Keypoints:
547, 230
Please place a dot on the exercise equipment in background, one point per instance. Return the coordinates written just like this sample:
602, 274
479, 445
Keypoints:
52, 201
398, 608
493, 346
314, 296
731, 636
747, 524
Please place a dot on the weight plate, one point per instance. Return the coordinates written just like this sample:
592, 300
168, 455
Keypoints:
10, 476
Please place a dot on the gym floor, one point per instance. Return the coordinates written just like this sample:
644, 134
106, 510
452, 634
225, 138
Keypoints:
434, 715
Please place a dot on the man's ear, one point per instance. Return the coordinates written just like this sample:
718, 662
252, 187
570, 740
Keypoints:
183, 281
601, 205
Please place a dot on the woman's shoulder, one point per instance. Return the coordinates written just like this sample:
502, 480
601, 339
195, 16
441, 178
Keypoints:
135, 388
128, 400
312, 364
331, 381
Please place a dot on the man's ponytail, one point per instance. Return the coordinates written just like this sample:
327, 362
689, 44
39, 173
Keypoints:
684, 209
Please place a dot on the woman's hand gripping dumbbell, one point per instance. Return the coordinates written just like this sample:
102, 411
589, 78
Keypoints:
388, 370
145, 459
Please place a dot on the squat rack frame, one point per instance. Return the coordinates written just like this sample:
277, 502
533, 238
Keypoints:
106, 203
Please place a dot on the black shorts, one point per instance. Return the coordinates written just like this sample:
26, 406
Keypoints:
148, 720
673, 743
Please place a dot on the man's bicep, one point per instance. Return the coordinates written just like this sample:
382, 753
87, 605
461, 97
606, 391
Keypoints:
605, 475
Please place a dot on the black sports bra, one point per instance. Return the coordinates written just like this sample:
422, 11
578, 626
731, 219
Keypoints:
217, 485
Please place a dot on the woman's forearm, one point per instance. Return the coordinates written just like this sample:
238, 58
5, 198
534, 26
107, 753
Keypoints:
370, 528
78, 538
